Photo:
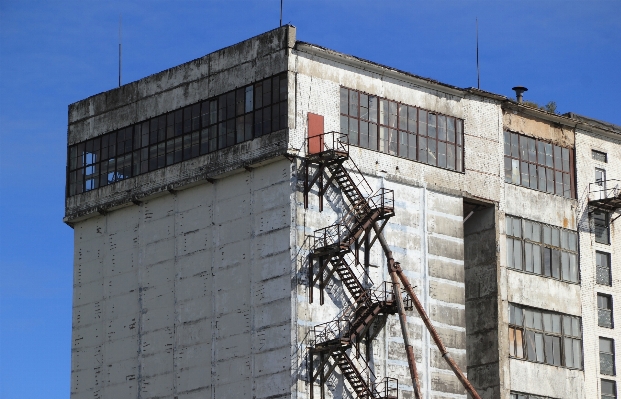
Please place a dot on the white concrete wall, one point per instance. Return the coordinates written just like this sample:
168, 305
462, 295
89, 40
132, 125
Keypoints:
187, 295
585, 142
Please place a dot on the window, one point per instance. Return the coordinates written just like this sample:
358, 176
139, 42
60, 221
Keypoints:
539, 165
219, 122
599, 156
604, 310
601, 227
602, 263
518, 395
542, 249
606, 356
609, 389
545, 337
402, 130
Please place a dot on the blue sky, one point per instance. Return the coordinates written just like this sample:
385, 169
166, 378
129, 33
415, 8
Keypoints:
53, 53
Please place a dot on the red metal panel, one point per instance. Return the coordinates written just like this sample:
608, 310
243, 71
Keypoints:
315, 133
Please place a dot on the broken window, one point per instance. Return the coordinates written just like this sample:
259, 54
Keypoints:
186, 133
608, 389
602, 264
606, 356
405, 131
545, 337
535, 164
542, 249
604, 310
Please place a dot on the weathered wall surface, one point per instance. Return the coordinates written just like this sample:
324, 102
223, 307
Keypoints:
426, 235
187, 295
557, 134
585, 165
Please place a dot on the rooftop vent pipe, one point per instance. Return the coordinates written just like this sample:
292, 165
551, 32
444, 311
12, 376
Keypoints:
519, 90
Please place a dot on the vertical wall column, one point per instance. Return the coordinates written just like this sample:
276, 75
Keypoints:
481, 281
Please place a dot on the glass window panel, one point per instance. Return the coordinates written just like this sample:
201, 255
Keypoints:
450, 129
556, 342
412, 150
528, 255
249, 99
403, 117
531, 345
537, 259
450, 156
528, 318
344, 125
541, 174
532, 150
577, 353
519, 345
547, 261
507, 139
558, 180
573, 268
575, 326
525, 174
353, 131
364, 106
422, 149
541, 153
441, 154
353, 103
267, 94
431, 125
556, 323
364, 134
403, 144
373, 108
392, 117
567, 325
547, 322
511, 341
516, 227
459, 132
532, 171
556, 263
459, 161
539, 347
565, 266
565, 156
383, 112
528, 230
412, 119
556, 240
566, 185
549, 349
392, 141
564, 239
517, 254
515, 171
547, 235
508, 170
383, 139
422, 122
536, 232
549, 155
432, 152
373, 136
609, 388
523, 147
550, 180
515, 145
442, 127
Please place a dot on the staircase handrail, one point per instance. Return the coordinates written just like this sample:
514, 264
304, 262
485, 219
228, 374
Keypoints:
602, 189
329, 141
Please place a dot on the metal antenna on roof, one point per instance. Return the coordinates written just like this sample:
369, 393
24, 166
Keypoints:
120, 40
478, 71
280, 12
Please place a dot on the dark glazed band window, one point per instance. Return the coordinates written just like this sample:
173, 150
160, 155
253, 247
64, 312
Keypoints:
219, 122
398, 129
539, 165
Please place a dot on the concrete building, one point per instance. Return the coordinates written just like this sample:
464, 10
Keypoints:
200, 206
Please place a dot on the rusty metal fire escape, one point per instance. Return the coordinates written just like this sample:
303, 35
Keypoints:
335, 251
605, 196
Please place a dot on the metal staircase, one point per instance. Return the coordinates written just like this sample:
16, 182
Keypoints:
332, 250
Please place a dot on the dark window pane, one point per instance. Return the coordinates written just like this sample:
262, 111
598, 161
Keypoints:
525, 174
565, 155
532, 150
541, 153
364, 135
515, 147
549, 155
353, 131
532, 171
507, 138
523, 148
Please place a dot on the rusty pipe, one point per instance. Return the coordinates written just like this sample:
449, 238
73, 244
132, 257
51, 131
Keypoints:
409, 350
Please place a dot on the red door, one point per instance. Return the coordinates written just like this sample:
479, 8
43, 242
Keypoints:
315, 133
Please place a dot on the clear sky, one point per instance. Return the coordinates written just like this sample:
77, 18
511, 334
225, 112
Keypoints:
53, 53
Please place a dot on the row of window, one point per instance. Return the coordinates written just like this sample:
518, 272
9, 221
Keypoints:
539, 165
545, 337
402, 130
542, 249
201, 128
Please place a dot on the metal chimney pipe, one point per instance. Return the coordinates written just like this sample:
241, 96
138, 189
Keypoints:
519, 90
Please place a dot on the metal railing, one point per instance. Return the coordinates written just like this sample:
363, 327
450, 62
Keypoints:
330, 141
604, 189
341, 326
387, 388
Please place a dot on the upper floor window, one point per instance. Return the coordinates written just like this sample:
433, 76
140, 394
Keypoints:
606, 356
543, 336
179, 135
604, 310
609, 389
542, 249
599, 156
602, 264
402, 130
601, 227
539, 165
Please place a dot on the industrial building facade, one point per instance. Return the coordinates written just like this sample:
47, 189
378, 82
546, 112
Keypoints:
228, 215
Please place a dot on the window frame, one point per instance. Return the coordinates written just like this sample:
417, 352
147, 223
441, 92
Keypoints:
607, 268
611, 354
601, 310
599, 156
179, 135
614, 389
601, 222
543, 160
388, 124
